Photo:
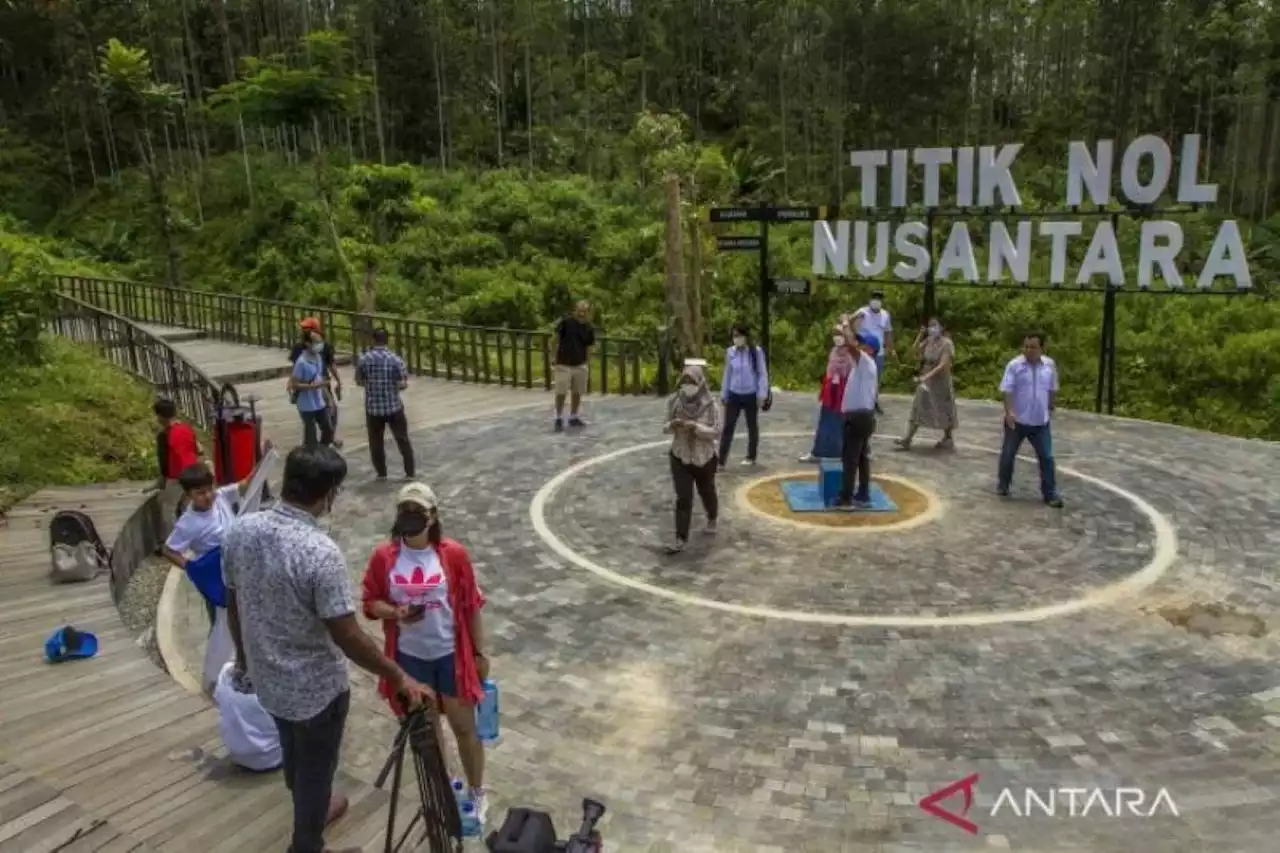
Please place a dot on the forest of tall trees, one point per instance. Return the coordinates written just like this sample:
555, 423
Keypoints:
489, 159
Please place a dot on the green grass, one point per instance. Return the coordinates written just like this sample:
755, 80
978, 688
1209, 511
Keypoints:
73, 419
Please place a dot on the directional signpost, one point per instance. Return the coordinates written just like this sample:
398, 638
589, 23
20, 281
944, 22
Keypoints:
793, 286
750, 243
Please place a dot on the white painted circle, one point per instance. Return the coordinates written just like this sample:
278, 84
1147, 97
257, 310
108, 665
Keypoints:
1164, 556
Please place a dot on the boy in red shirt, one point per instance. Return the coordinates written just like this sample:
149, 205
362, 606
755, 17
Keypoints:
177, 449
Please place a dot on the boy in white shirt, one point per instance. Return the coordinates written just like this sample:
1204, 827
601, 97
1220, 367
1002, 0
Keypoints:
247, 730
200, 527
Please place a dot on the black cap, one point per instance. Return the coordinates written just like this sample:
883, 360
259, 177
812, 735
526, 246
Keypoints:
877, 294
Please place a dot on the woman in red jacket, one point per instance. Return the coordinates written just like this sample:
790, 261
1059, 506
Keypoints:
423, 589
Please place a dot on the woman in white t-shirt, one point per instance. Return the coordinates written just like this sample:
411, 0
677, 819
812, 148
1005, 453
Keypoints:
423, 589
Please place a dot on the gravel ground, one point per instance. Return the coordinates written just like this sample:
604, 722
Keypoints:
139, 602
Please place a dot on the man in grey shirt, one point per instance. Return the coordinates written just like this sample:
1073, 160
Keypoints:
292, 618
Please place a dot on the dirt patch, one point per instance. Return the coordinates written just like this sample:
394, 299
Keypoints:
1211, 620
767, 497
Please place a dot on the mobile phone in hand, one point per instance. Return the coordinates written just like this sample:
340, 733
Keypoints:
416, 610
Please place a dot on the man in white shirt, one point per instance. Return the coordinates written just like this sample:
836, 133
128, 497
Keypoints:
247, 730
1030, 386
859, 408
877, 325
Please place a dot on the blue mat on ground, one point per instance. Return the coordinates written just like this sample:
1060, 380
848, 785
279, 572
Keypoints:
804, 496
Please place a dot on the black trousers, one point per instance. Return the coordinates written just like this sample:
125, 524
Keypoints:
310, 750
686, 478
317, 422
738, 404
855, 457
376, 426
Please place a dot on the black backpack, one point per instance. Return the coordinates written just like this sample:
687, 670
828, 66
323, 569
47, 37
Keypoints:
755, 368
524, 831
76, 550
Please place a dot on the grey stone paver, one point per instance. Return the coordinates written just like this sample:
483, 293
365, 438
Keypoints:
711, 731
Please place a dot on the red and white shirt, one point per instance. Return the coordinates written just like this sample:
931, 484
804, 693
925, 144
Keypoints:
418, 579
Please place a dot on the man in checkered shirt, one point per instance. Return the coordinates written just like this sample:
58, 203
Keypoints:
382, 375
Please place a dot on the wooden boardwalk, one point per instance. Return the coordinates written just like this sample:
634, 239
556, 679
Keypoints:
112, 754
261, 372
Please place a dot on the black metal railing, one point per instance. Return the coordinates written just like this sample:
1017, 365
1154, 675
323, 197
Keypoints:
142, 353
515, 357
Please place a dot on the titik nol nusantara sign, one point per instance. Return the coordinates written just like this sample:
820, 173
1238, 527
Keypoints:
983, 178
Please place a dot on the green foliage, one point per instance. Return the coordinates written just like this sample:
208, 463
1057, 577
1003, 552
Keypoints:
128, 86
73, 419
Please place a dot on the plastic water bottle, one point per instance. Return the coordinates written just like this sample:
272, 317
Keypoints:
487, 715
471, 827
459, 790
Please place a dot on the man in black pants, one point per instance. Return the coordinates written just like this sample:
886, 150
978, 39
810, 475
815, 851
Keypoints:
383, 375
293, 622
859, 408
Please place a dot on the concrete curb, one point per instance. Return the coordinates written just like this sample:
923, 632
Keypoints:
166, 638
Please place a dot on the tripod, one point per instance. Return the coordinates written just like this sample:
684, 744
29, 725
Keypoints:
437, 808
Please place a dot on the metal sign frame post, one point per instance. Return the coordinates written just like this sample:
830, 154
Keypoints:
764, 215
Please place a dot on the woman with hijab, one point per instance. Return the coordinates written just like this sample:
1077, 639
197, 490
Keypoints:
934, 406
423, 589
828, 437
694, 421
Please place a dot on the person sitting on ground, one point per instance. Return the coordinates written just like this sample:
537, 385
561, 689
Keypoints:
208, 512
177, 449
423, 589
694, 421
247, 730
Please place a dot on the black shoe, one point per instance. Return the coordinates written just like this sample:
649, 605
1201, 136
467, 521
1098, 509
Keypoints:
575, 421
381, 478
1003, 491
879, 411
1055, 502
559, 424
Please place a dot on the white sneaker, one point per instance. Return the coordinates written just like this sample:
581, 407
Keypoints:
808, 457
480, 797
748, 463
710, 529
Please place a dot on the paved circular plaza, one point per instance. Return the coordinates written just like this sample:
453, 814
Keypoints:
781, 687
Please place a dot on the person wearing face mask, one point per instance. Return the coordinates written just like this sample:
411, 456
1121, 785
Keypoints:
744, 389
421, 586
857, 403
876, 324
308, 385
693, 420
311, 334
934, 406
828, 437
293, 625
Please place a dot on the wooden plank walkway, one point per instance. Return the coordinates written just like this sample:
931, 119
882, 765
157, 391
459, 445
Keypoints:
260, 372
110, 754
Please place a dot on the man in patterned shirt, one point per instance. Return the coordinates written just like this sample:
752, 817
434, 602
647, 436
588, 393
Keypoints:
292, 619
383, 376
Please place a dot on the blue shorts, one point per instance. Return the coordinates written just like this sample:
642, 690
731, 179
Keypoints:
437, 674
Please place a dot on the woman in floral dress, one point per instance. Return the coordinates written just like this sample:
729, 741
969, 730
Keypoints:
934, 406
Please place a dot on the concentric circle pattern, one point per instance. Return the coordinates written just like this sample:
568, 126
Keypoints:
785, 688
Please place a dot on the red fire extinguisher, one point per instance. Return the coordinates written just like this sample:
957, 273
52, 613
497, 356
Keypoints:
237, 437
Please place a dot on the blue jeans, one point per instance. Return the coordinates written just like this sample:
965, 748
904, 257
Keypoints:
1042, 443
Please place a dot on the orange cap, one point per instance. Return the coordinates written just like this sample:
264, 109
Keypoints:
310, 324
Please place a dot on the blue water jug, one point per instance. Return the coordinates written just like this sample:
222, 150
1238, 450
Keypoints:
459, 790
487, 714
471, 827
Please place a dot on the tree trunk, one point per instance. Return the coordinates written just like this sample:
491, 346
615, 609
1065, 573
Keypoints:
322, 188
440, 93
377, 100
172, 272
677, 297
696, 332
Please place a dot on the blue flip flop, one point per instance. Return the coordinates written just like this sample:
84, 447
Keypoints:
206, 575
69, 644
